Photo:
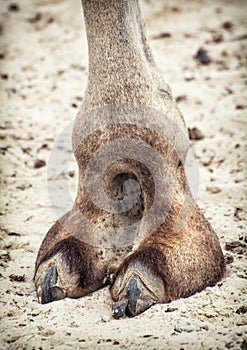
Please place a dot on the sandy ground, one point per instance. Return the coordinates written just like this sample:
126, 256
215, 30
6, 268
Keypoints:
43, 61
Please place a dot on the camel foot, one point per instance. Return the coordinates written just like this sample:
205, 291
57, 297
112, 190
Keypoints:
135, 290
54, 281
65, 271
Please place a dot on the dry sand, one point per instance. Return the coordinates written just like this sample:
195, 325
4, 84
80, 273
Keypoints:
43, 60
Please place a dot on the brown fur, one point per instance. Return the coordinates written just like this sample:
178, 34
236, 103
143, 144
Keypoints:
122, 71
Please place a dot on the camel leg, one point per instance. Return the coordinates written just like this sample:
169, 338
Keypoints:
169, 263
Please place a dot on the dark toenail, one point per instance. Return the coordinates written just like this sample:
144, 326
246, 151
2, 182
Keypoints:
118, 308
49, 281
133, 292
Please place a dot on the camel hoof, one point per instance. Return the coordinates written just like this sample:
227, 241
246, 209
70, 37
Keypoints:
52, 280
49, 291
135, 291
134, 299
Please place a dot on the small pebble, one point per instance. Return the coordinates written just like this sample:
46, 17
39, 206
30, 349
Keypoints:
217, 38
240, 106
171, 309
202, 56
71, 173
14, 7
162, 35
39, 163
181, 98
214, 189
227, 25
195, 134
4, 76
